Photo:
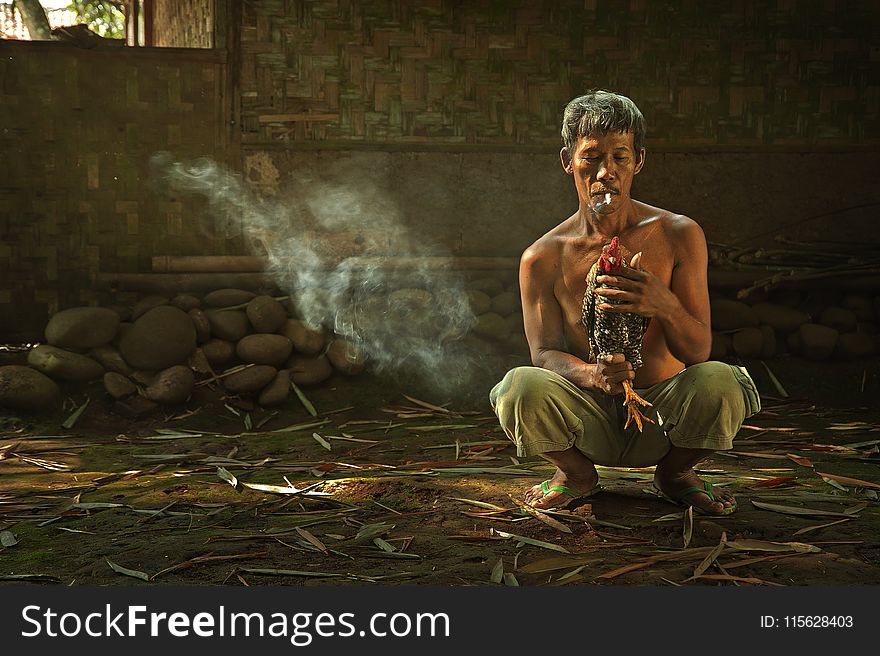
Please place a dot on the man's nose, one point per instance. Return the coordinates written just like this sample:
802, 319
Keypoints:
606, 170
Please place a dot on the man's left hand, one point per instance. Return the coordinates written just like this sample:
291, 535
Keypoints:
639, 291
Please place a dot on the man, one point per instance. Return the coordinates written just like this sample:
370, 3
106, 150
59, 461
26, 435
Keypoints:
568, 409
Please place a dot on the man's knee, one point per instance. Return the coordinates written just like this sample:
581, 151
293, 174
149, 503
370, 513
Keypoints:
712, 386
521, 387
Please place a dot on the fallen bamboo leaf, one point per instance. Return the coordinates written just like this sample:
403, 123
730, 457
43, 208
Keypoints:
29, 577
311, 539
846, 480
542, 517
7, 539
775, 381
497, 574
248, 422
74, 530
302, 398
290, 572
834, 484
293, 428
533, 542
774, 482
226, 475
384, 546
510, 580
290, 490
425, 404
97, 505
737, 579
796, 510
800, 460
119, 569
43, 464
572, 573
712, 556
809, 529
208, 558
671, 517
322, 441
480, 504
72, 419
555, 563
688, 530
441, 427
764, 545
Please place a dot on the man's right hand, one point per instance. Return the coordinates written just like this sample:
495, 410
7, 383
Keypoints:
610, 373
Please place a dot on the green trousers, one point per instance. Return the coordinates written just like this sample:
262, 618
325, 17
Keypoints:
702, 407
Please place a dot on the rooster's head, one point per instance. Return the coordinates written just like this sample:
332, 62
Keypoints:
611, 258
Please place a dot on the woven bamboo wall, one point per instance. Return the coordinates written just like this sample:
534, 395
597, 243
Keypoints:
183, 23
438, 72
79, 127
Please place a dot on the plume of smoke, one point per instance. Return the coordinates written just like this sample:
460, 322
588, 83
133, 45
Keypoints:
406, 322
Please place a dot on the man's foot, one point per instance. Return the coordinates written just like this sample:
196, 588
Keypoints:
562, 489
702, 496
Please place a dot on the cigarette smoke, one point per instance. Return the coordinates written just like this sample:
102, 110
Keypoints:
407, 322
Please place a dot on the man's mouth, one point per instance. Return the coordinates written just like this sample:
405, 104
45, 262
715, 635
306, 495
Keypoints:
602, 192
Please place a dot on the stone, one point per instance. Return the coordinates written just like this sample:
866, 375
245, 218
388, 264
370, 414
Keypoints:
860, 305
122, 331
146, 304
111, 359
747, 343
855, 346
161, 338
118, 386
264, 349
306, 339
480, 302
515, 323
732, 315
346, 357
201, 324
492, 326
266, 314
780, 317
186, 302
227, 298
219, 352
249, 380
63, 365
82, 328
505, 303
308, 370
817, 341
122, 311
199, 363
838, 318
276, 392
230, 325
23, 388
171, 386
770, 347
144, 378
489, 286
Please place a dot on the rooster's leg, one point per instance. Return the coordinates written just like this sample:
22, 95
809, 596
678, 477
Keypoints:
632, 401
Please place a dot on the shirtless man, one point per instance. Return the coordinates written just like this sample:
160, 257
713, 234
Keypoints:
568, 409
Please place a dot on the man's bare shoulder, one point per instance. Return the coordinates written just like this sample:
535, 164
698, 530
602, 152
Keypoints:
546, 251
679, 229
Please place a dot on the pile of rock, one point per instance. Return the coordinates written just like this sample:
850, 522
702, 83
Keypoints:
816, 326
495, 301
154, 352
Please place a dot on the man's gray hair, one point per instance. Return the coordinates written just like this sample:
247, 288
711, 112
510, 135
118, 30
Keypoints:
601, 112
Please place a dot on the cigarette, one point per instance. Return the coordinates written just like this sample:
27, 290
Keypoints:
608, 199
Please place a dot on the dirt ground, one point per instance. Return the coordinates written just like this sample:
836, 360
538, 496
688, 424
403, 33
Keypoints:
409, 494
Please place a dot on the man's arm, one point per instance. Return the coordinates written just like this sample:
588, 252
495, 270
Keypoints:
542, 318
682, 309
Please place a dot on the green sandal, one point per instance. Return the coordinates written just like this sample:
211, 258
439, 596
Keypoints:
574, 494
678, 499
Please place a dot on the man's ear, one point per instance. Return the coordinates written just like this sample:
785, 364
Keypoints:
641, 161
565, 158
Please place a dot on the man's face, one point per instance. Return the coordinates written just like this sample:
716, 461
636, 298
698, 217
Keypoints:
603, 164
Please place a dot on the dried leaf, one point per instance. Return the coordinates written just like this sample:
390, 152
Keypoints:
480, 504
688, 530
248, 423
775, 381
290, 572
119, 569
97, 505
796, 510
846, 480
425, 404
497, 574
7, 539
809, 529
533, 542
311, 539
322, 441
72, 419
510, 580
736, 579
293, 428
227, 476
302, 398
712, 556
554, 563
800, 460
764, 545
384, 546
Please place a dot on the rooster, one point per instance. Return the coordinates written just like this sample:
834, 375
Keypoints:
614, 332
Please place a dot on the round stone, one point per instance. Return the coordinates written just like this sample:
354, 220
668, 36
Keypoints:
118, 386
161, 338
264, 349
307, 370
276, 392
230, 325
171, 386
82, 327
22, 388
266, 314
249, 380
64, 365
